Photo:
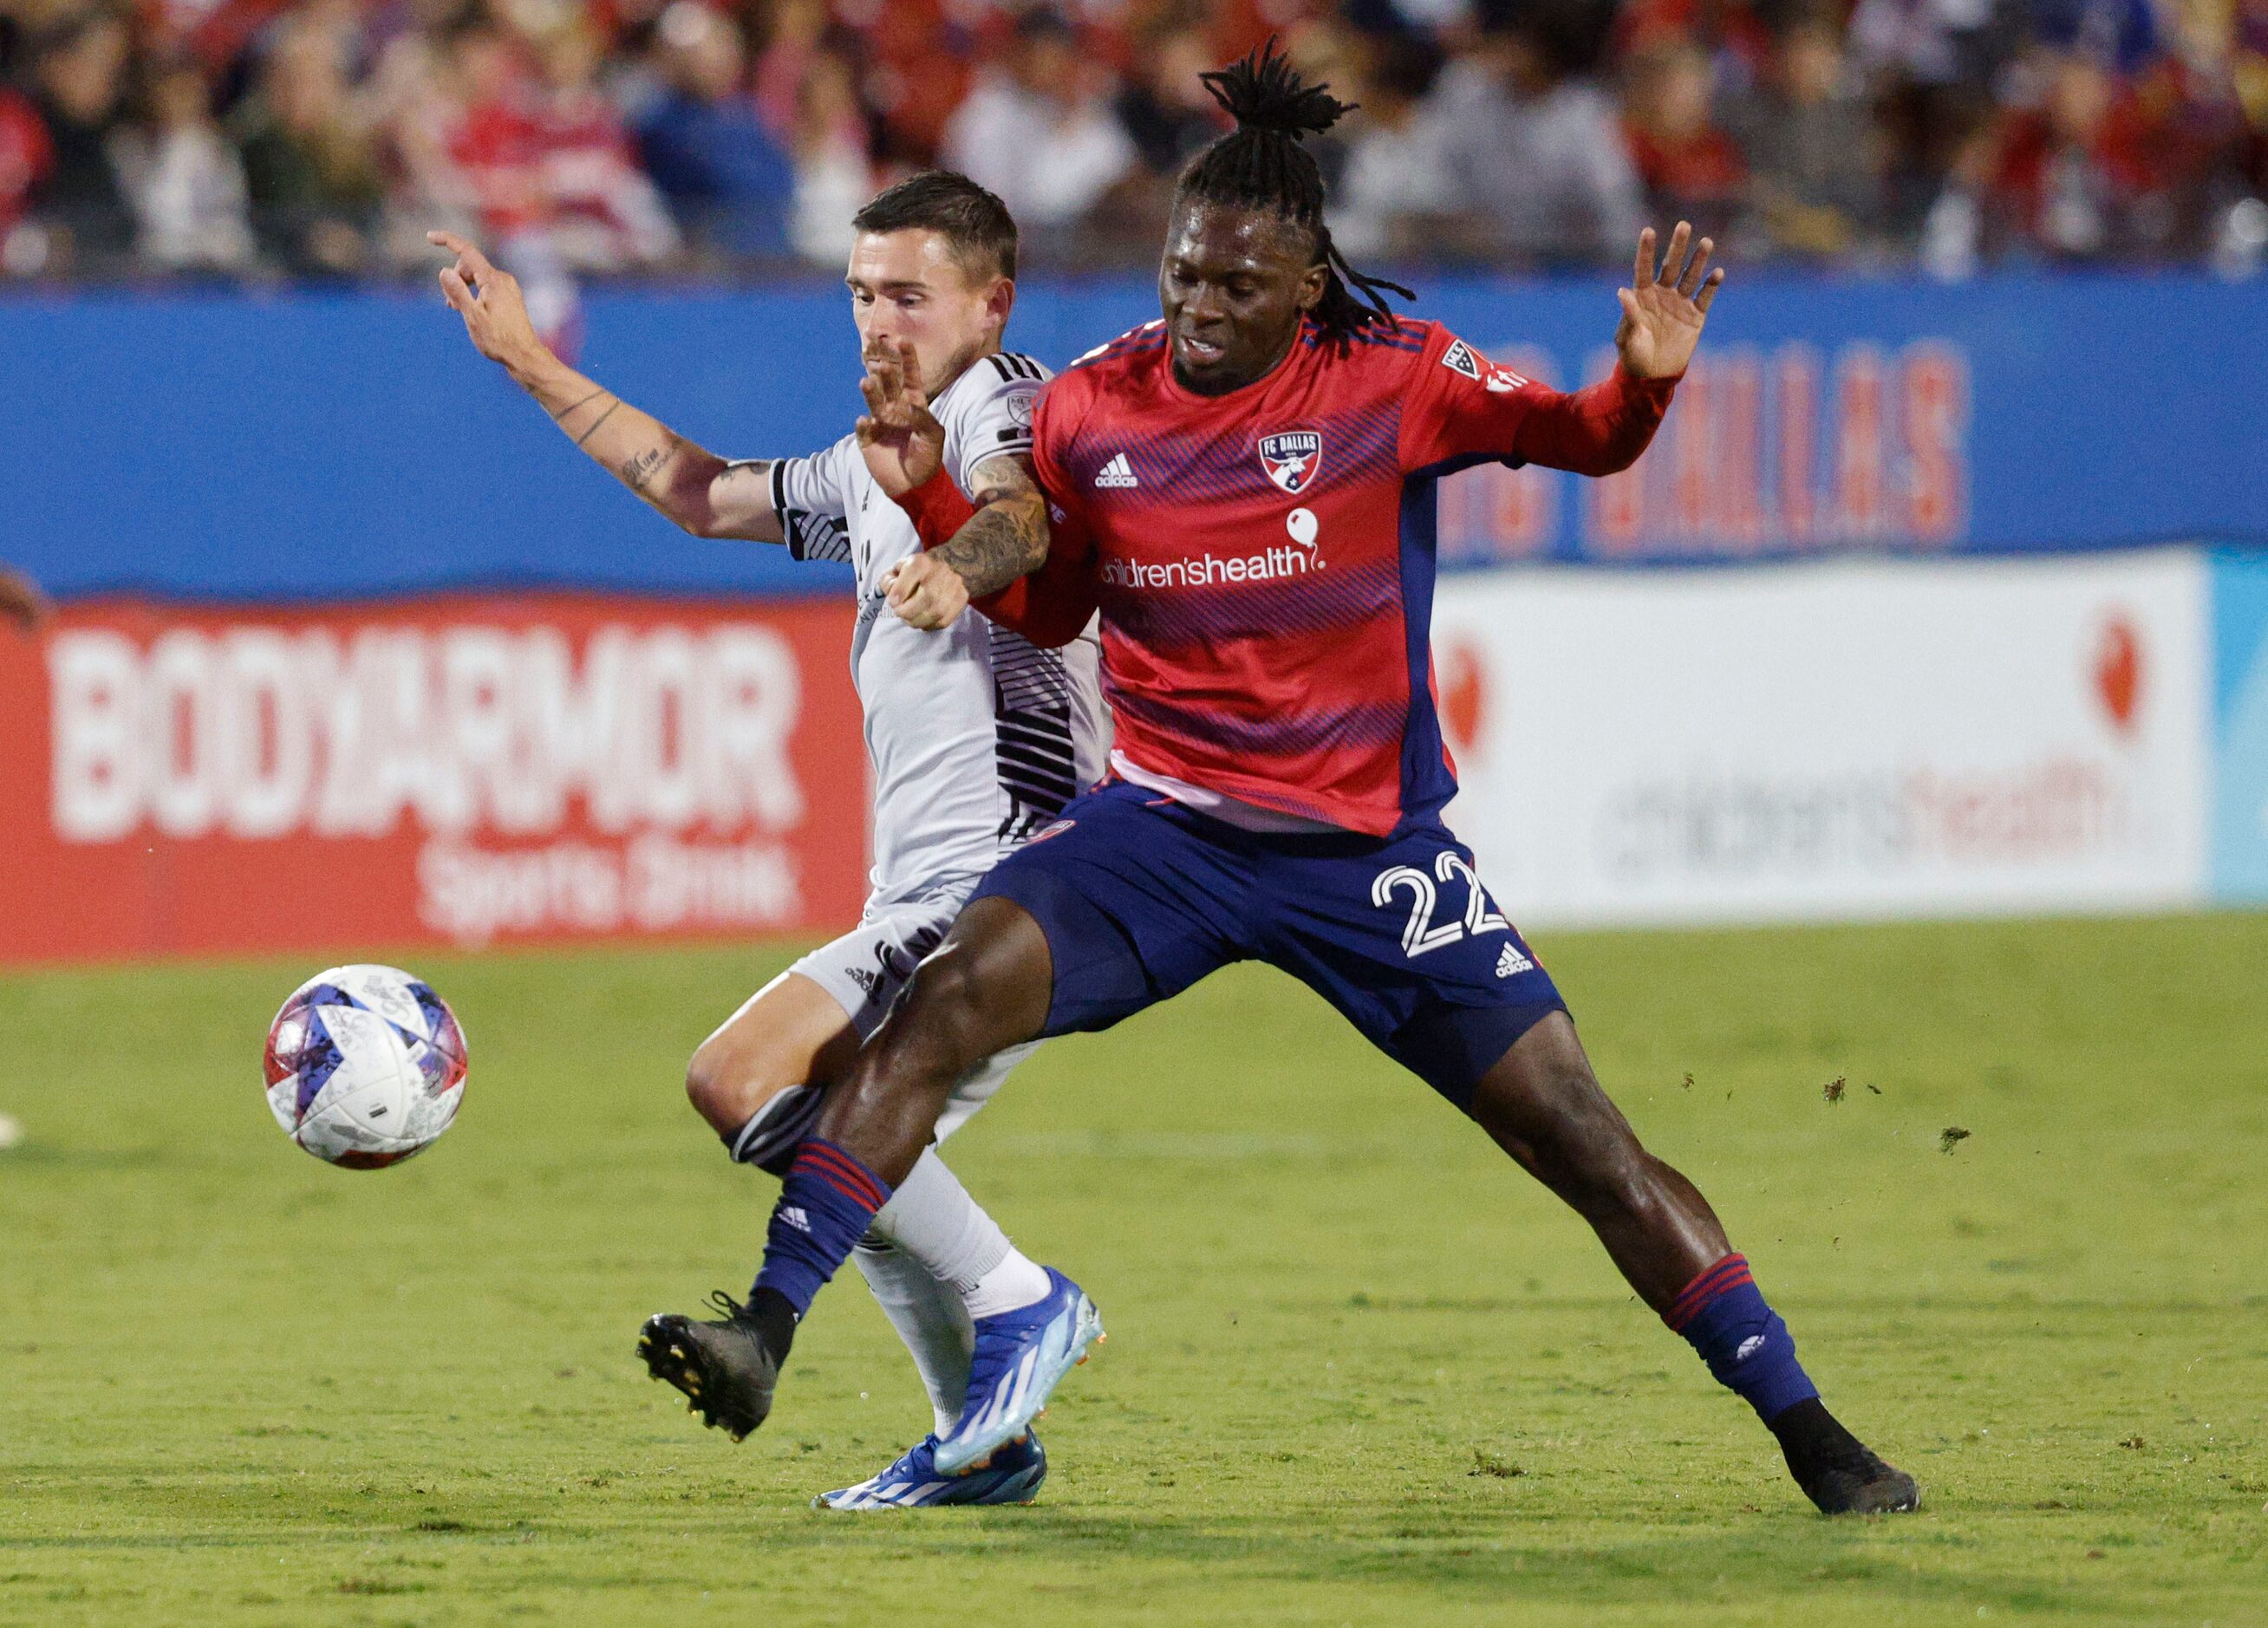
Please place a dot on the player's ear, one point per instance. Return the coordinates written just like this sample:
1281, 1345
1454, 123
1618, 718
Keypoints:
1001, 300
1313, 282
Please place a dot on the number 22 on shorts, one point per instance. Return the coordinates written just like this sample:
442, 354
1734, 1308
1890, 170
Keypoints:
1423, 935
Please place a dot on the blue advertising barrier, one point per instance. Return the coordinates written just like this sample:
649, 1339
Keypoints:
310, 446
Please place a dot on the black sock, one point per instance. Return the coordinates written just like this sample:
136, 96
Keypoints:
1806, 1429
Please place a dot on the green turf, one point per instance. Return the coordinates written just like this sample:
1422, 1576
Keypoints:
1360, 1369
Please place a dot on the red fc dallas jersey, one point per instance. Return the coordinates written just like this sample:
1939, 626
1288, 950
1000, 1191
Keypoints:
1264, 560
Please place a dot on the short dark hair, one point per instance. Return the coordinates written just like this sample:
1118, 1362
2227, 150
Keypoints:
975, 224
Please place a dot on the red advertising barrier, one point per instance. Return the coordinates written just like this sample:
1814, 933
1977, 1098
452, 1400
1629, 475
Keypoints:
463, 771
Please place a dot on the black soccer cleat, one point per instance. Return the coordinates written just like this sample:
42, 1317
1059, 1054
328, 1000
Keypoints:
726, 1368
1837, 1471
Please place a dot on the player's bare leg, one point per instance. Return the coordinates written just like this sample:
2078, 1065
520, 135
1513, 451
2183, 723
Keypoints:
1543, 1106
766, 1063
985, 988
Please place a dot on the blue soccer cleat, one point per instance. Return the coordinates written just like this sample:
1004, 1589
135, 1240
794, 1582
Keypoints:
1021, 1357
914, 1482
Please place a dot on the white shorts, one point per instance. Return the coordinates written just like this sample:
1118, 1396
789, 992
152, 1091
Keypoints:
868, 967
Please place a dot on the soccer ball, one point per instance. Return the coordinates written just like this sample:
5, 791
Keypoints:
365, 1066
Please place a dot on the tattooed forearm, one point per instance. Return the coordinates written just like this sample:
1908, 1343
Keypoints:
1007, 539
639, 470
560, 417
612, 408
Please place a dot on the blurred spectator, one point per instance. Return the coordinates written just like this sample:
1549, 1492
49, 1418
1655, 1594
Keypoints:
721, 170
791, 52
1164, 106
1809, 146
184, 180
2074, 176
1039, 132
1933, 42
917, 69
489, 137
1733, 33
1933, 65
2123, 35
833, 176
1690, 168
308, 162
625, 137
1393, 195
1533, 150
82, 89
25, 157
601, 211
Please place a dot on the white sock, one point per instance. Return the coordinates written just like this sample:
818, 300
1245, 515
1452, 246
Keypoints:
928, 1316
932, 1219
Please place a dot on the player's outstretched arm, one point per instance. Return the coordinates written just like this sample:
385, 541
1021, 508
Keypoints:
693, 487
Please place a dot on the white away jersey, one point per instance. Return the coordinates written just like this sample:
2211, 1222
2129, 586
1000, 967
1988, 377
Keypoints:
977, 737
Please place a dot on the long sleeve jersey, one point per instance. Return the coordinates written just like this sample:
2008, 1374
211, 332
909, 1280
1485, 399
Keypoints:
1264, 561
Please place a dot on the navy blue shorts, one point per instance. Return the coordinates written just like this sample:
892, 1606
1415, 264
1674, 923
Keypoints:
1140, 897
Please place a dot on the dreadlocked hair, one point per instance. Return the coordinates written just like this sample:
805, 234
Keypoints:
1264, 164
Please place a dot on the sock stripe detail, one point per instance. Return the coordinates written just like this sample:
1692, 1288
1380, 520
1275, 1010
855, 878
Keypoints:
1729, 1273
842, 1172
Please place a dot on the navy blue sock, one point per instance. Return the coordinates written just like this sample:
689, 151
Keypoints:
1724, 1317
827, 1201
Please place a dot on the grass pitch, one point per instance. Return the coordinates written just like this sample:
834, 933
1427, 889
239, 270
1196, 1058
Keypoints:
1361, 1369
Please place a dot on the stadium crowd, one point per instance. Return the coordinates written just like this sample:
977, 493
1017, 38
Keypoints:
260, 139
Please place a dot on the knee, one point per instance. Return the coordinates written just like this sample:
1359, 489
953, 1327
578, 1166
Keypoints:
710, 1086
727, 1085
935, 1032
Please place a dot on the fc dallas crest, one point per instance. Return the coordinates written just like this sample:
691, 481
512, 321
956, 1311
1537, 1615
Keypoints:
1292, 458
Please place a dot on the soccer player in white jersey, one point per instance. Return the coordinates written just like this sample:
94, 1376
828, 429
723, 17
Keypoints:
977, 739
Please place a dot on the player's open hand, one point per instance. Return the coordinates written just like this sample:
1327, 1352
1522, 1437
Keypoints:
490, 300
1662, 313
925, 592
21, 601
901, 440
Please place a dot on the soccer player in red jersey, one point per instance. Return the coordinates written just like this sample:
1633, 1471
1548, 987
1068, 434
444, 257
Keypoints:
1245, 490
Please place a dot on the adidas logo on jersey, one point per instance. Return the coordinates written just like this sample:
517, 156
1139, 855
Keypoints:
1117, 472
793, 1215
1513, 961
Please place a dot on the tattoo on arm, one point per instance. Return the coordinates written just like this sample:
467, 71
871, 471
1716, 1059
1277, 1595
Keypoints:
561, 415
1006, 541
638, 471
1008, 538
756, 471
595, 423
